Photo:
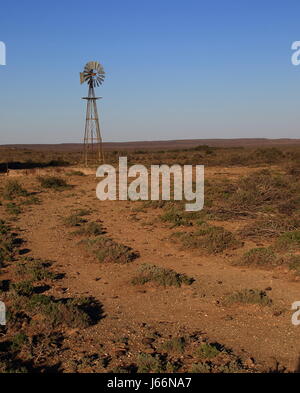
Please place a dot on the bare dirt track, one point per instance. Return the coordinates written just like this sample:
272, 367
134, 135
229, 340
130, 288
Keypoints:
252, 331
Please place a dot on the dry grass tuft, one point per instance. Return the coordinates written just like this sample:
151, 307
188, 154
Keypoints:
210, 239
248, 296
260, 257
160, 276
108, 251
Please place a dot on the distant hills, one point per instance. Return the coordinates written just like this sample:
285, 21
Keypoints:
165, 145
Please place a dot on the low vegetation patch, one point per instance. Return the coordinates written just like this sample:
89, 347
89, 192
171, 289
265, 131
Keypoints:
53, 182
13, 209
294, 170
90, 229
263, 257
161, 276
293, 262
75, 313
208, 351
270, 227
13, 189
23, 288
7, 243
259, 190
288, 241
74, 220
201, 368
108, 251
156, 204
176, 218
248, 296
269, 155
75, 173
176, 345
35, 270
147, 363
31, 200
18, 341
211, 239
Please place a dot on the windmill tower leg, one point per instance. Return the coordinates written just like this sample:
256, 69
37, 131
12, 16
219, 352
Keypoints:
93, 149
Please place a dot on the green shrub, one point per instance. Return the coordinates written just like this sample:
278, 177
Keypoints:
294, 170
293, 262
53, 182
156, 204
8, 366
269, 155
4, 229
288, 241
7, 243
270, 227
38, 300
74, 220
161, 276
13, 209
35, 270
31, 200
260, 190
23, 288
91, 229
208, 351
175, 217
82, 212
201, 368
69, 312
211, 239
176, 345
13, 189
18, 341
249, 296
258, 257
107, 250
147, 364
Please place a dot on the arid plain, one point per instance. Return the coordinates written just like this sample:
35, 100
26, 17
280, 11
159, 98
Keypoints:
122, 286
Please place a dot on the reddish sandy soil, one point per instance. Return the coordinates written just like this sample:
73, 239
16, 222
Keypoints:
264, 333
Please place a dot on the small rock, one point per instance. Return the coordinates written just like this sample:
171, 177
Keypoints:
149, 350
249, 362
147, 340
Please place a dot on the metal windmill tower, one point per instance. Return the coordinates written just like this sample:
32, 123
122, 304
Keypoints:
93, 74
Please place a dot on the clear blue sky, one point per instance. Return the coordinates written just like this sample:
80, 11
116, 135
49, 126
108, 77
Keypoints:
174, 69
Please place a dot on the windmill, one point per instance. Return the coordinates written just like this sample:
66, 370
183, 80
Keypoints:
93, 74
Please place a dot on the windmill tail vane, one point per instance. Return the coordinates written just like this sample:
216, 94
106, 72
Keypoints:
93, 74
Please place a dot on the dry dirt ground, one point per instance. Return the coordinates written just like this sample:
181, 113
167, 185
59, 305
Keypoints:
264, 336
